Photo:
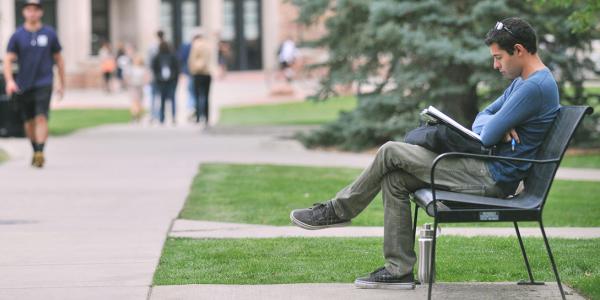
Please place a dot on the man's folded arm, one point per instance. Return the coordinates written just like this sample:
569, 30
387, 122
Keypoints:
486, 115
521, 105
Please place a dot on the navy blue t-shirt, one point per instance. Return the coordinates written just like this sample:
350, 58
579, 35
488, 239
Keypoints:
35, 56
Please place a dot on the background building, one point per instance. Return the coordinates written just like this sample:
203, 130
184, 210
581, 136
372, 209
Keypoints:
253, 29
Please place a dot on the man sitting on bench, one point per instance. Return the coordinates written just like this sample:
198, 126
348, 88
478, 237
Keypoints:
524, 112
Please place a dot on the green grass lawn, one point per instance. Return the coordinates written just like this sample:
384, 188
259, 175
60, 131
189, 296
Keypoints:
581, 161
265, 194
3, 156
296, 113
66, 121
321, 260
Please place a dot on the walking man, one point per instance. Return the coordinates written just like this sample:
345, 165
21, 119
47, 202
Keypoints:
524, 112
36, 49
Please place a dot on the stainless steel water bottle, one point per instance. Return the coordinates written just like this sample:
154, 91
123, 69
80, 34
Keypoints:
425, 246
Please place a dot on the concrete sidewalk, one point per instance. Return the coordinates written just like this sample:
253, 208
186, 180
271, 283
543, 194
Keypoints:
92, 223
312, 291
221, 230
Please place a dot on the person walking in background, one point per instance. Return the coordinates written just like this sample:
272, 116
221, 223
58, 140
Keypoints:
287, 56
184, 55
165, 68
224, 52
152, 52
123, 61
137, 78
199, 66
36, 49
107, 65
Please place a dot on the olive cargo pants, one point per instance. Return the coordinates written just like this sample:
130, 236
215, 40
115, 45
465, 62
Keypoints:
397, 170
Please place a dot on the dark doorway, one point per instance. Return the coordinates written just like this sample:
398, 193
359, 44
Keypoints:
242, 33
100, 24
178, 18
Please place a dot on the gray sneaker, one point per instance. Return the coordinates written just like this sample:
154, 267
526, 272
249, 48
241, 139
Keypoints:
320, 216
383, 279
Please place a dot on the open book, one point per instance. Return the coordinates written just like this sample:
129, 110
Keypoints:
432, 112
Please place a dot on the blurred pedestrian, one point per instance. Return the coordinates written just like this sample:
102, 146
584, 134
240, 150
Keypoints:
184, 55
165, 68
36, 49
287, 56
224, 52
152, 52
123, 62
107, 65
199, 65
136, 77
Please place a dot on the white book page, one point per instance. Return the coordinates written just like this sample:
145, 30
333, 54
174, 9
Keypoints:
443, 117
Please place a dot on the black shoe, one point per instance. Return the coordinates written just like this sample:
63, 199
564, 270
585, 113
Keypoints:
38, 159
383, 279
320, 216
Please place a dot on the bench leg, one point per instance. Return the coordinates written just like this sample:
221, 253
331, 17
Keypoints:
562, 292
432, 266
531, 281
415, 223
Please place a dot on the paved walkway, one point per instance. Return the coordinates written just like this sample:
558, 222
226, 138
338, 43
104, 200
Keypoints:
221, 230
457, 291
92, 223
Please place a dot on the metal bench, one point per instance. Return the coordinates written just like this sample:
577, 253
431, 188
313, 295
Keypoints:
450, 207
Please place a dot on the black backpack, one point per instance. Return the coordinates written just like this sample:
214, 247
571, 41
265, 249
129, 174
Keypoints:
441, 138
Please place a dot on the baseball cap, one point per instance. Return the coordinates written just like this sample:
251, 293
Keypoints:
33, 2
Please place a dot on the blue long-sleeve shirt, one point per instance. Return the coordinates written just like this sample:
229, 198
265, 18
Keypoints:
529, 106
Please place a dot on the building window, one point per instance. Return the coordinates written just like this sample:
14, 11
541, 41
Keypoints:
49, 12
100, 24
178, 18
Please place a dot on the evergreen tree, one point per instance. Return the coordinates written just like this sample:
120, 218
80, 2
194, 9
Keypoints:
586, 17
406, 55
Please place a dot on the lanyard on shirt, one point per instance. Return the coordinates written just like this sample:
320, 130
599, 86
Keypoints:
33, 41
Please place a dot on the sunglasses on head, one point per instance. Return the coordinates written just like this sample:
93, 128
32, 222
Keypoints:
501, 26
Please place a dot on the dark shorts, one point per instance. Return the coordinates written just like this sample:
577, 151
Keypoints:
35, 102
107, 76
284, 65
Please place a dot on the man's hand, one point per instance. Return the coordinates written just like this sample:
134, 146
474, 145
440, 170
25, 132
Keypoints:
60, 92
511, 134
11, 87
60, 64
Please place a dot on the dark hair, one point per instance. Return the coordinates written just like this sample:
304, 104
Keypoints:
164, 47
160, 34
515, 31
37, 4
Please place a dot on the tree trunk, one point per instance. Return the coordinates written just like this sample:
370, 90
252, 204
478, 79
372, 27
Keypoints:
462, 107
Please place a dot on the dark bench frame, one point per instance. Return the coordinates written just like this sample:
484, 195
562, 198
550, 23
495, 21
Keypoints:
450, 207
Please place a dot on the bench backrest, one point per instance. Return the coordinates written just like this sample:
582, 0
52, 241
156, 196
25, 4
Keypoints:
540, 177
